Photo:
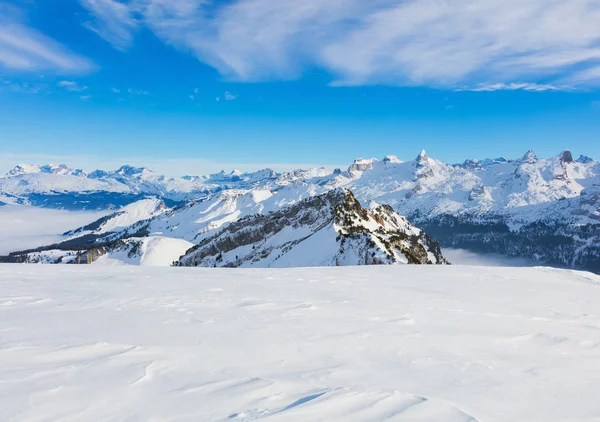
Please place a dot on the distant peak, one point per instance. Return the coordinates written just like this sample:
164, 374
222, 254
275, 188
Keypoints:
128, 170
584, 159
529, 157
390, 159
23, 169
60, 170
566, 156
472, 164
360, 164
422, 155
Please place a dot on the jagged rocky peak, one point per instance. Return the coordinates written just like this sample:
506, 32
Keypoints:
493, 161
55, 169
389, 159
472, 164
566, 157
261, 175
584, 159
128, 170
361, 164
324, 230
529, 157
425, 167
423, 159
98, 174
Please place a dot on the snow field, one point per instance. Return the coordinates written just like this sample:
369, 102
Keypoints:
402, 343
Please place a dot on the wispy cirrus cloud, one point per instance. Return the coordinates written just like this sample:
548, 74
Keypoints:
25, 49
112, 20
514, 86
530, 45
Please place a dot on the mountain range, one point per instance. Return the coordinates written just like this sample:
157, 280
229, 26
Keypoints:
547, 210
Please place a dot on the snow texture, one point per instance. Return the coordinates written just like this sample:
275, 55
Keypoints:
405, 343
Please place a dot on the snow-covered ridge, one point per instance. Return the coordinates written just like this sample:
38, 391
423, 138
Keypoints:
499, 185
331, 229
125, 217
60, 169
237, 229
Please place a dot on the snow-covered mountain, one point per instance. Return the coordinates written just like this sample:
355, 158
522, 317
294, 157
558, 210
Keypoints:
330, 229
125, 217
60, 169
544, 209
59, 186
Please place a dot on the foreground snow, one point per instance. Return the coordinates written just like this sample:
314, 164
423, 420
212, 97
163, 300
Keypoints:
411, 343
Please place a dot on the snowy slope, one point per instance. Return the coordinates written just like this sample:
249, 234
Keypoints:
193, 219
331, 229
154, 251
405, 343
237, 228
125, 217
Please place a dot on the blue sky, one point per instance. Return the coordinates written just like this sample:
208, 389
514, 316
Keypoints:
193, 86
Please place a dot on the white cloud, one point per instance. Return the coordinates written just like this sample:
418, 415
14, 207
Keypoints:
137, 92
72, 86
115, 90
112, 21
522, 86
590, 76
26, 87
448, 43
85, 97
229, 96
26, 49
